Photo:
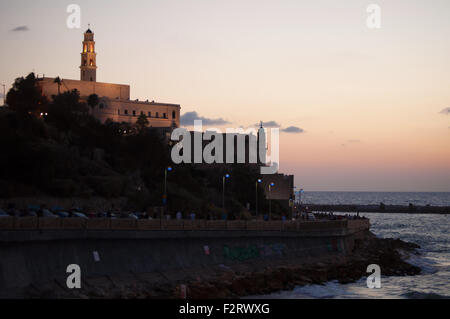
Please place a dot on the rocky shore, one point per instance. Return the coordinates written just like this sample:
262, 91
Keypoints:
259, 277
385, 252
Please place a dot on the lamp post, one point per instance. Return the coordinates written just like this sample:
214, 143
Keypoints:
227, 176
167, 170
259, 181
270, 200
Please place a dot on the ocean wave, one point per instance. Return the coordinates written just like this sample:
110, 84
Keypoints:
428, 266
423, 295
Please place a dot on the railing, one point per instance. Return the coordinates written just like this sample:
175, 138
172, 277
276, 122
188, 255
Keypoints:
43, 223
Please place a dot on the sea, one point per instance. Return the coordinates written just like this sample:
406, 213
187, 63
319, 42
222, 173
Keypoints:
375, 198
431, 232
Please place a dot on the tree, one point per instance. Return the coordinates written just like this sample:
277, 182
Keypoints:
25, 96
142, 123
58, 81
93, 100
66, 111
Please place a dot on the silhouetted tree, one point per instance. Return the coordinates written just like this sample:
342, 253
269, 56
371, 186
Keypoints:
142, 123
93, 100
25, 96
58, 81
66, 110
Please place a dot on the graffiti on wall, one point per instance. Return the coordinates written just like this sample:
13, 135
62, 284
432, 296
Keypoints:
253, 251
334, 246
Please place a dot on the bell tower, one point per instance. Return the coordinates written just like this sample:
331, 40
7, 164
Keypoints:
88, 58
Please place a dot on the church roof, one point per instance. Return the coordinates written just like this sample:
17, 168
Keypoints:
88, 31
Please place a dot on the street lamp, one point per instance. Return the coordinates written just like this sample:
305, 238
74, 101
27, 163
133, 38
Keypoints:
227, 176
270, 200
259, 181
300, 196
167, 170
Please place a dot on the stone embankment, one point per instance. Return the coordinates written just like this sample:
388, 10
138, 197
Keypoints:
197, 260
252, 279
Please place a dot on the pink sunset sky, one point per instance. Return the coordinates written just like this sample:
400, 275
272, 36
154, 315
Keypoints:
362, 109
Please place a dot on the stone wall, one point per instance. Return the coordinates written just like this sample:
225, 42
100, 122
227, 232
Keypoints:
86, 88
30, 259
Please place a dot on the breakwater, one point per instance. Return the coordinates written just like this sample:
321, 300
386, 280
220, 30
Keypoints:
393, 209
35, 252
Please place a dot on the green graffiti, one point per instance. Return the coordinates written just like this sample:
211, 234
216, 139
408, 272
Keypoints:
241, 253
334, 246
251, 252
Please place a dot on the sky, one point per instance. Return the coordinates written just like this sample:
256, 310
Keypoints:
360, 109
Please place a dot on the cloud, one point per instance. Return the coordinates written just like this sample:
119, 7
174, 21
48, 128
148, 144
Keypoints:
21, 28
268, 124
351, 142
189, 118
293, 130
445, 111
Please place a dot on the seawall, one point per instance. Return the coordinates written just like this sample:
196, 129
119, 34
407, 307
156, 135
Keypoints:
33, 258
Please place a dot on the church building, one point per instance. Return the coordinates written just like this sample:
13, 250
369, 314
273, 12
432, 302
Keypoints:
114, 99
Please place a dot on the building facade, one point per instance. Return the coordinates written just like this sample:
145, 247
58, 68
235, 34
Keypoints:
114, 99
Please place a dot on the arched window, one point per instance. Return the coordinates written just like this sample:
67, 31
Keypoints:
126, 112
91, 62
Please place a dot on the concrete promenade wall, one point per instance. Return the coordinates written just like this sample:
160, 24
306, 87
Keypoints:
33, 257
45, 223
